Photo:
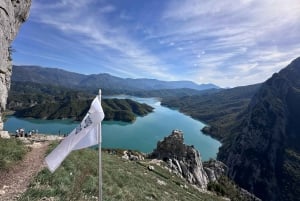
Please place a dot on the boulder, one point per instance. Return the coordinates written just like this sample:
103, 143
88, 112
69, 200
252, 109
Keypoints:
4, 134
214, 170
150, 167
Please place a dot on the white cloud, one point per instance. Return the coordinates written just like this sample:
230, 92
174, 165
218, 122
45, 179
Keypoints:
224, 42
101, 36
244, 41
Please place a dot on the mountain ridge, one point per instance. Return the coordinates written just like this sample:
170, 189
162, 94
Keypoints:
65, 78
263, 153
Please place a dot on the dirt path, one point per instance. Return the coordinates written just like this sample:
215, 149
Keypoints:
14, 182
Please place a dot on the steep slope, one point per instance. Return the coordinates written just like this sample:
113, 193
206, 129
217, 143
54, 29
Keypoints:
263, 152
185, 161
105, 81
12, 14
219, 108
77, 179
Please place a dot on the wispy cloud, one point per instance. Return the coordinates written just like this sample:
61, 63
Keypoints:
235, 35
93, 31
228, 43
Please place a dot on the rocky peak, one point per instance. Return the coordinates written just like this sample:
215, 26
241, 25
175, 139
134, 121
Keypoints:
262, 144
183, 159
12, 14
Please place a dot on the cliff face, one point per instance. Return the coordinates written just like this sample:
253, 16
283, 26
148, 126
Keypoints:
263, 156
186, 162
12, 14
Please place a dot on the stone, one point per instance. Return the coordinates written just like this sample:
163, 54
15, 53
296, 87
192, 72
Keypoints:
4, 134
128, 155
2, 192
182, 159
12, 14
160, 182
133, 158
214, 170
125, 157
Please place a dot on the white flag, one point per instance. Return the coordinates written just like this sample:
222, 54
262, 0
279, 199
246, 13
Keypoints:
86, 134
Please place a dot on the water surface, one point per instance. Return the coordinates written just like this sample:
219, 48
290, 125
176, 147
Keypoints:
141, 135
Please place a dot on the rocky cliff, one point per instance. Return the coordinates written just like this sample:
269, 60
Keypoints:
185, 160
263, 153
12, 14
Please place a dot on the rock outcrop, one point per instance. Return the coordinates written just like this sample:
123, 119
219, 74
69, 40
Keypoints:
182, 159
12, 14
263, 153
214, 170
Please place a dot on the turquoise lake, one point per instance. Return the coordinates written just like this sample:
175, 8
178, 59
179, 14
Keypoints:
141, 135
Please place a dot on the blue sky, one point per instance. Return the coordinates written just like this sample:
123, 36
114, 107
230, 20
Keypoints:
225, 42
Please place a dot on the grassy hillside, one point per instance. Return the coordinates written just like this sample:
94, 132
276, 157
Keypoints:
124, 180
11, 151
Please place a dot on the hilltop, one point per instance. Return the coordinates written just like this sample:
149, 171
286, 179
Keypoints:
127, 175
105, 81
40, 101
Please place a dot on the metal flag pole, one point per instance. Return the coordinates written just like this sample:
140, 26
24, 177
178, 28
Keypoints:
100, 162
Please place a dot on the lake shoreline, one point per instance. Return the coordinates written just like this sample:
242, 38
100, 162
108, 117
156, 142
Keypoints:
141, 135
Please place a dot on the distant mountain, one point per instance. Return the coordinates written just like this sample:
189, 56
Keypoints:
263, 150
43, 101
105, 81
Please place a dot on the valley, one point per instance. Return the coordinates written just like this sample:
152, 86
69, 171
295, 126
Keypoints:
267, 110
222, 76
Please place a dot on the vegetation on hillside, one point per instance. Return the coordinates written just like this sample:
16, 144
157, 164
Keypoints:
11, 151
124, 109
291, 175
77, 179
218, 108
50, 102
59, 77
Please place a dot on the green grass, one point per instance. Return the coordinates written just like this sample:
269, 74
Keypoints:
77, 179
11, 151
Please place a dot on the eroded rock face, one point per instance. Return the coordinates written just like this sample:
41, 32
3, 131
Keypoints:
12, 14
183, 159
263, 153
214, 170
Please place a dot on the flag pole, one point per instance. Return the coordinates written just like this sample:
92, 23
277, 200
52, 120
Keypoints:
100, 162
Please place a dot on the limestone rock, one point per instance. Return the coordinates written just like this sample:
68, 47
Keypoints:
262, 153
182, 159
12, 14
214, 170
133, 156
4, 134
